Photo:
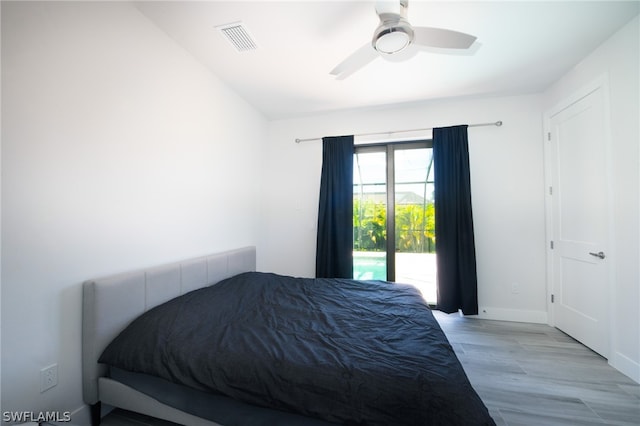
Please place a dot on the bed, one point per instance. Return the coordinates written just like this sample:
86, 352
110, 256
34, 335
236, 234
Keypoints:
210, 341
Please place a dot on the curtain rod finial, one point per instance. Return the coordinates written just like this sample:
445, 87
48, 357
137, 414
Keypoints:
498, 123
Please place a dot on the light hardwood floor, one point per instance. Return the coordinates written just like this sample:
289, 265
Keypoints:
533, 374
526, 374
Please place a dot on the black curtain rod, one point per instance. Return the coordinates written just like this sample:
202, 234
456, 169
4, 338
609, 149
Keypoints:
496, 123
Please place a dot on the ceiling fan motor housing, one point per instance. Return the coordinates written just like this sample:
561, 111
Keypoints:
392, 35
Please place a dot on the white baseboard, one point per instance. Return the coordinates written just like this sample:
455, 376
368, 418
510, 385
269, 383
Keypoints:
626, 366
517, 315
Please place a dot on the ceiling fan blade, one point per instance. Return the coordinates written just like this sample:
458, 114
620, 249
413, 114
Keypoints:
355, 61
475, 47
442, 38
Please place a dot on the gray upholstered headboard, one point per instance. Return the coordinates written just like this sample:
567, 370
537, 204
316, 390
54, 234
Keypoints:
111, 303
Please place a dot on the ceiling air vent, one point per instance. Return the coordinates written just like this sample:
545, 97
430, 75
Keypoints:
238, 36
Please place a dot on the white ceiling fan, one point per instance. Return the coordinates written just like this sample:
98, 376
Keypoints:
395, 39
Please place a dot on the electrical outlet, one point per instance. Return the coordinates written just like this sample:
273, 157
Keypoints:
48, 377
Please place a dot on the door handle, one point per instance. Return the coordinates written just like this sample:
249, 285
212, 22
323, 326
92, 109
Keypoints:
598, 255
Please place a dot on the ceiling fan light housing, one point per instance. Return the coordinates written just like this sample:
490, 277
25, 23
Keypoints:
392, 37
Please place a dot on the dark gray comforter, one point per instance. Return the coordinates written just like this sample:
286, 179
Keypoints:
351, 352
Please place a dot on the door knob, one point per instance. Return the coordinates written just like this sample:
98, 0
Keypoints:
599, 254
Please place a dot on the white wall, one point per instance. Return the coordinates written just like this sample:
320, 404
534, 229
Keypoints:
619, 60
506, 180
119, 151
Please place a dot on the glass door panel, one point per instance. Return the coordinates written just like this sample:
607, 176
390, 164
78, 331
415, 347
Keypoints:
415, 220
370, 215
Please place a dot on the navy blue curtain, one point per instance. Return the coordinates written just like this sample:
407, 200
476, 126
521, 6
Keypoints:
455, 245
334, 248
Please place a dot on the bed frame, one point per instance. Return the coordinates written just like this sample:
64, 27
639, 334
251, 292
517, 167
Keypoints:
111, 303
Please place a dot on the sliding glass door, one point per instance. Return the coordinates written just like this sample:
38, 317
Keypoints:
393, 214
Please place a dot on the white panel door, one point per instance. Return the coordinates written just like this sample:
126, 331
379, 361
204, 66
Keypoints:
579, 199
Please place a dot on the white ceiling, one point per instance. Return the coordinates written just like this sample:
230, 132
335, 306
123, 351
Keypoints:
522, 47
